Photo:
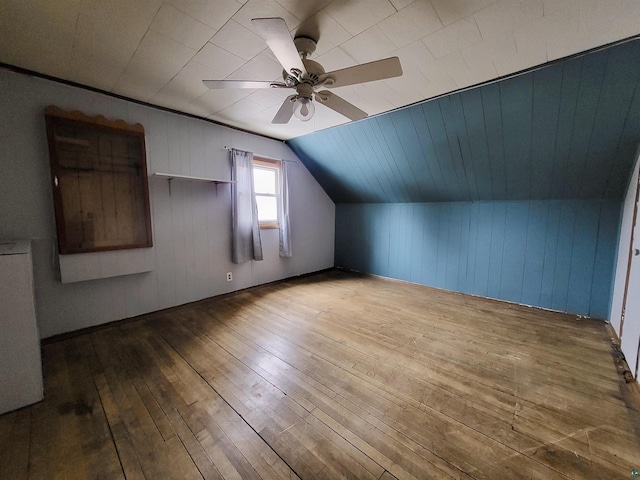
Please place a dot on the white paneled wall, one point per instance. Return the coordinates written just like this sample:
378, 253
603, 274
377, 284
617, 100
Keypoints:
191, 224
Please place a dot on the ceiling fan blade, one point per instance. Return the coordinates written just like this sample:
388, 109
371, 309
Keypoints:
234, 84
367, 72
286, 111
276, 34
340, 105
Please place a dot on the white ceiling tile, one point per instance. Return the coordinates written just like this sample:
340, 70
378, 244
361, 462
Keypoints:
552, 6
159, 48
530, 47
107, 35
400, 4
137, 48
326, 117
368, 46
137, 86
451, 11
323, 28
439, 87
221, 62
156, 61
629, 7
417, 80
629, 22
295, 127
264, 9
551, 28
528, 56
241, 74
303, 10
46, 45
425, 87
446, 68
270, 97
263, 67
215, 14
453, 37
596, 12
290, 130
195, 108
104, 20
506, 15
371, 92
180, 27
530, 53
335, 59
356, 16
402, 91
533, 40
240, 110
576, 40
414, 57
411, 23
213, 101
186, 86
371, 103
239, 40
479, 56
474, 76
556, 29
99, 71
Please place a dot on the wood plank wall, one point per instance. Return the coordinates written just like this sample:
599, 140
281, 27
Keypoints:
566, 131
552, 254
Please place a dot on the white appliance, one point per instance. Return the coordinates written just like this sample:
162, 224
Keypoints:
20, 361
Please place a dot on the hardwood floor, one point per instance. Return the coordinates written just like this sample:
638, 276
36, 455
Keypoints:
329, 376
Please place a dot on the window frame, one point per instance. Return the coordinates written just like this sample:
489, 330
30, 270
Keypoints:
264, 163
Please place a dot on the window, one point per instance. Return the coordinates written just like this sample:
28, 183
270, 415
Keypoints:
266, 183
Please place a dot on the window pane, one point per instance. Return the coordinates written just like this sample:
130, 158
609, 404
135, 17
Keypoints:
267, 209
264, 180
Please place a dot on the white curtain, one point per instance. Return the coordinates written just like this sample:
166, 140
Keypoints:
284, 230
246, 243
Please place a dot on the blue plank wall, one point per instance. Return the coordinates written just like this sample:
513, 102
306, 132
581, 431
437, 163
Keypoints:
511, 190
555, 254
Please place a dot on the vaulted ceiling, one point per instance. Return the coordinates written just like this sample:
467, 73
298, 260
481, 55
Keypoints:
565, 131
159, 51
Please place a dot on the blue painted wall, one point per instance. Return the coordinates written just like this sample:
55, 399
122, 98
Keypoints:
556, 254
511, 190
566, 131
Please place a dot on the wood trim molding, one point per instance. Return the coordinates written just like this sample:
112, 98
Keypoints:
98, 120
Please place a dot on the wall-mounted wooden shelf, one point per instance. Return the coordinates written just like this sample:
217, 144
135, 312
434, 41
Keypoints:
171, 176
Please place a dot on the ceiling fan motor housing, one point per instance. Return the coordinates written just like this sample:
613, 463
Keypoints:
304, 90
305, 45
314, 72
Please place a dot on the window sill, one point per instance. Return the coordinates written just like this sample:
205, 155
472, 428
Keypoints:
269, 225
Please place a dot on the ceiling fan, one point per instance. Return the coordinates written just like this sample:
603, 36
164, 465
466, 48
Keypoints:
307, 76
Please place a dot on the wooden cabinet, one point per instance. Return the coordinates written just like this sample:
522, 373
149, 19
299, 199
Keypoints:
99, 179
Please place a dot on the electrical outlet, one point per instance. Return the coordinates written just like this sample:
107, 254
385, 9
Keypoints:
229, 276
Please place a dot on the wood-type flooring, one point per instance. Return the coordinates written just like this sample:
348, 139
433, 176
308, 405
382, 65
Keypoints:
332, 375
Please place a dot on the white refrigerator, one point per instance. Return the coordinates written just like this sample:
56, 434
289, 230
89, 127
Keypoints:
20, 361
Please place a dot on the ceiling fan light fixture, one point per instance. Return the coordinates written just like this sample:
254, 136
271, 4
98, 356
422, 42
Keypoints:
306, 76
304, 109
